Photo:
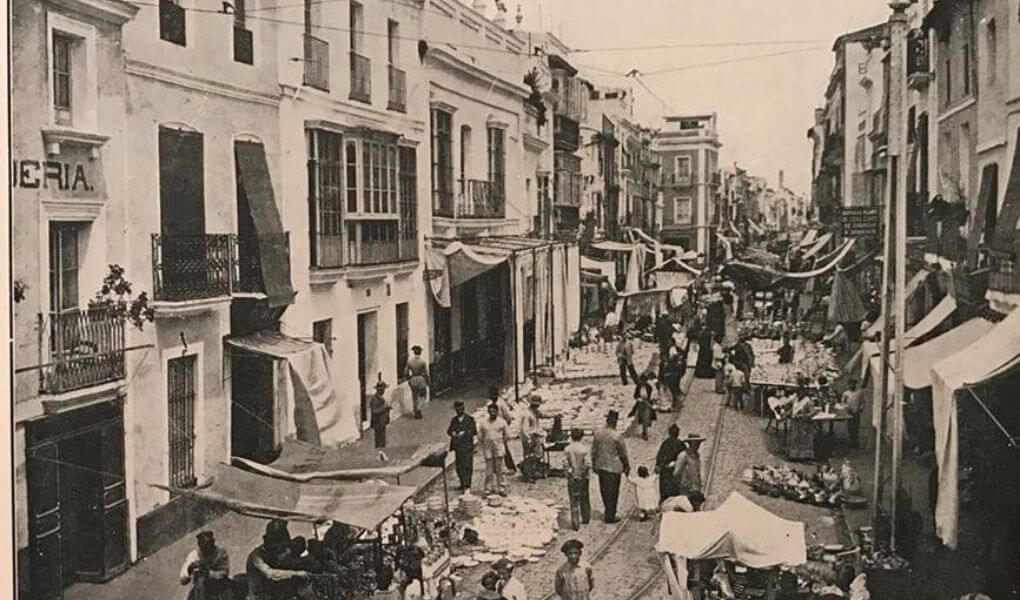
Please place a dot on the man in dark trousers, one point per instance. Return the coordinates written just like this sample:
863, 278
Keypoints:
610, 461
462, 432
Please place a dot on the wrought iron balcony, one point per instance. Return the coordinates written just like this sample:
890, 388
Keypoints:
918, 59
316, 63
366, 242
481, 199
249, 261
361, 78
192, 267
86, 348
398, 89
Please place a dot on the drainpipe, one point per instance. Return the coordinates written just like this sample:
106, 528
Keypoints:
550, 311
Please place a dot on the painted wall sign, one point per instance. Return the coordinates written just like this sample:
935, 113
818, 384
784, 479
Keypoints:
861, 221
50, 174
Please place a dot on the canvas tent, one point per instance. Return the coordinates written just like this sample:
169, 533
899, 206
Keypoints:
738, 530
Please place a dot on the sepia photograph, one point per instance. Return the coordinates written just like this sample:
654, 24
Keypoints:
512, 300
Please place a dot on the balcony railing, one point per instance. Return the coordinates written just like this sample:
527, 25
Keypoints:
481, 199
192, 267
361, 78
248, 277
398, 89
365, 243
86, 348
316, 63
566, 133
917, 53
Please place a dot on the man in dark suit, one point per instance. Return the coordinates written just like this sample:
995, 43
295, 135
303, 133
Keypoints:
462, 434
610, 461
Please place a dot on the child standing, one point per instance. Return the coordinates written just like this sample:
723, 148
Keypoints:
646, 487
643, 409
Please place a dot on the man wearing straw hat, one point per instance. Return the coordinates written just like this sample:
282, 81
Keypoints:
380, 413
417, 374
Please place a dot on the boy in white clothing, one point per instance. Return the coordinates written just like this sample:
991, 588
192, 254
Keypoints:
646, 487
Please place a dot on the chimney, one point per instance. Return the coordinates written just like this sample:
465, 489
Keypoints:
780, 179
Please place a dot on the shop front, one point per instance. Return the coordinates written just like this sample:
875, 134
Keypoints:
77, 502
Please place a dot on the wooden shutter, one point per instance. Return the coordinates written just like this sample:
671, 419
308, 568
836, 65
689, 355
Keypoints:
112, 500
43, 483
181, 185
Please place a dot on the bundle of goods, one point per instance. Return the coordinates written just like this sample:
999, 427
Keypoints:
600, 361
826, 487
514, 527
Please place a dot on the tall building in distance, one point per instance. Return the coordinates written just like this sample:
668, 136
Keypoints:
688, 147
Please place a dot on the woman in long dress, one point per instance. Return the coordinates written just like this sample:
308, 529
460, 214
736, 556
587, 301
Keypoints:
670, 448
703, 368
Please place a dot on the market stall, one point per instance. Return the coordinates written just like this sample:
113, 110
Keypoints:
739, 532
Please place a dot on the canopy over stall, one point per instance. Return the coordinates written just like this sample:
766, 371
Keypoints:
819, 245
319, 415
845, 304
303, 462
995, 354
913, 286
635, 260
361, 505
761, 278
809, 238
739, 530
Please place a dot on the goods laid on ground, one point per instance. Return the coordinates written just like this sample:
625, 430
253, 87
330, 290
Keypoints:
600, 361
826, 487
579, 407
514, 527
810, 360
769, 329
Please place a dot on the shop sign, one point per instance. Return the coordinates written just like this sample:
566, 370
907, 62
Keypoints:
73, 174
861, 221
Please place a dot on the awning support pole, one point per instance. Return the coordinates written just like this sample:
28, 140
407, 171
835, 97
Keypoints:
446, 504
550, 310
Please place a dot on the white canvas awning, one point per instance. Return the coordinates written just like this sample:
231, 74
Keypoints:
820, 244
992, 355
809, 238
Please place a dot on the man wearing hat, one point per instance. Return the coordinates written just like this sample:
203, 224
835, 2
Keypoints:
462, 432
417, 373
510, 587
610, 461
531, 439
267, 580
687, 471
380, 414
574, 579
207, 569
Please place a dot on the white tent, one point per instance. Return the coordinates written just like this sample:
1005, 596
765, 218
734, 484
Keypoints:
739, 530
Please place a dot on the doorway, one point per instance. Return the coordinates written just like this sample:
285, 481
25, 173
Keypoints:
77, 504
368, 346
252, 423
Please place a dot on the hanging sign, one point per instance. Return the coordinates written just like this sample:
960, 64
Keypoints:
861, 221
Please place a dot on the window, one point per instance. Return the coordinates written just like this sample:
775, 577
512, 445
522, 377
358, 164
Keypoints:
393, 41
378, 177
357, 21
181, 404
465, 152
243, 49
682, 210
965, 52
63, 267
62, 46
911, 125
403, 323
497, 161
172, 22
992, 51
683, 168
963, 155
325, 188
442, 162
949, 81
408, 203
322, 333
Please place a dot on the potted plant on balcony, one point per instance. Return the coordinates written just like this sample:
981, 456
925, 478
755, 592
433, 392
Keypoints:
533, 80
115, 297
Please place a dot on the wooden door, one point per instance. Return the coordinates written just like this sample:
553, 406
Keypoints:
43, 485
252, 429
112, 500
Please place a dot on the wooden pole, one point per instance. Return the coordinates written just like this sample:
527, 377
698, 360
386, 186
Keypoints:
513, 320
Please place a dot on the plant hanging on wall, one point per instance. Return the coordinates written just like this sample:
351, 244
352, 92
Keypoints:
115, 296
533, 79
20, 288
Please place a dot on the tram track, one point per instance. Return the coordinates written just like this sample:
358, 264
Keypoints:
611, 550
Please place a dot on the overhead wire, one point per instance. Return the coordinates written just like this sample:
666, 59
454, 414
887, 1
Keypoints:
731, 61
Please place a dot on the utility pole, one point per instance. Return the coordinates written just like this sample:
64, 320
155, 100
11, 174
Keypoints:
897, 182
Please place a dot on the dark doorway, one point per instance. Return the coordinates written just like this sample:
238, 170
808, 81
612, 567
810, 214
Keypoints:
252, 423
76, 498
368, 345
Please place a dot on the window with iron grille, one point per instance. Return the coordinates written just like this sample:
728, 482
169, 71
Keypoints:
497, 160
408, 202
403, 324
442, 161
181, 402
322, 333
62, 47
326, 188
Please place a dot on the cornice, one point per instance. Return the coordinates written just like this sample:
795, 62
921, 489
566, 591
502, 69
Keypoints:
449, 59
145, 70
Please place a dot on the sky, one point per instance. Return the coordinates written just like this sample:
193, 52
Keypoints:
765, 104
